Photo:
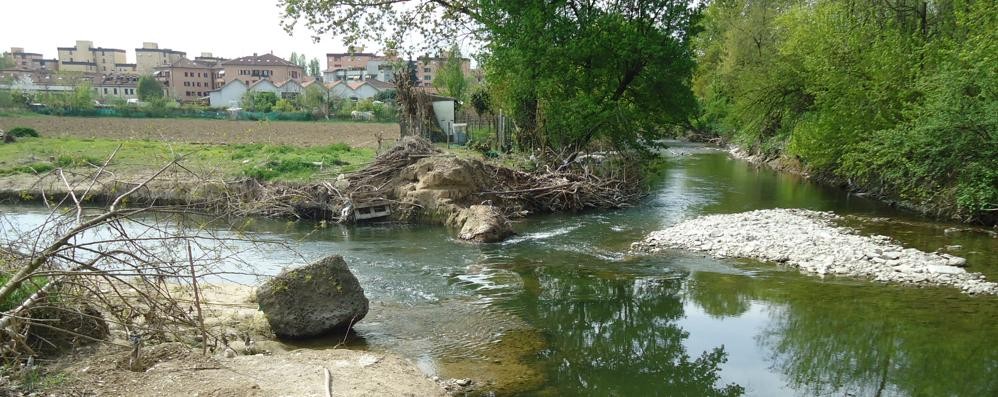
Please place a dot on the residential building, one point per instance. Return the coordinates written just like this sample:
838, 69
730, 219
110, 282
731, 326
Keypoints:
31, 61
187, 81
428, 67
357, 90
84, 57
231, 94
150, 56
347, 65
251, 69
117, 86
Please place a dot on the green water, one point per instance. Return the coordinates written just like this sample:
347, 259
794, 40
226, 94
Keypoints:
564, 309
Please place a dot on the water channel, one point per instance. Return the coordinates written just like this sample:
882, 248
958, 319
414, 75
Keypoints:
564, 309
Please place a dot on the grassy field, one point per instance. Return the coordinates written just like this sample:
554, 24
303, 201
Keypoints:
295, 133
261, 161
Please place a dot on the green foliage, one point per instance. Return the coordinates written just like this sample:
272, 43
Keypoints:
550, 67
897, 98
263, 101
480, 100
289, 162
83, 96
450, 79
386, 95
285, 105
6, 61
314, 69
22, 132
21, 293
569, 73
314, 100
148, 88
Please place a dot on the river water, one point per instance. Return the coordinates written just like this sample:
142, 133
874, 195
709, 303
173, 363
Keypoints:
564, 309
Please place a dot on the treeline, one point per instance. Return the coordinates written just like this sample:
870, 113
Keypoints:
898, 97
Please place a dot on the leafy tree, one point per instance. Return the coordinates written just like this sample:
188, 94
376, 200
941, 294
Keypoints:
259, 101
6, 61
450, 79
313, 68
315, 100
284, 105
895, 97
570, 72
481, 101
148, 88
83, 96
386, 96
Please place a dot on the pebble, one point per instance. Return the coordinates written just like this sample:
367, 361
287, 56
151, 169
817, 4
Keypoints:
813, 243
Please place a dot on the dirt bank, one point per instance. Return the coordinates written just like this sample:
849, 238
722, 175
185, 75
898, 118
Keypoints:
268, 368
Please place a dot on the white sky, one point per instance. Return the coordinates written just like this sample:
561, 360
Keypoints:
226, 28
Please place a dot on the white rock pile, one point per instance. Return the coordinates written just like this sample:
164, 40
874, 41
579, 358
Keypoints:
810, 241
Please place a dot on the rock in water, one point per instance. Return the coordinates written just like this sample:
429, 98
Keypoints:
482, 223
313, 300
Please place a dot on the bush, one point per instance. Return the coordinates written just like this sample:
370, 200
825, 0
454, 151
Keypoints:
22, 132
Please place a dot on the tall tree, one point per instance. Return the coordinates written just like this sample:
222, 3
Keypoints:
569, 71
451, 79
148, 88
313, 68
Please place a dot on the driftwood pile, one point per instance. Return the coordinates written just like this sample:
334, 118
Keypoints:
578, 187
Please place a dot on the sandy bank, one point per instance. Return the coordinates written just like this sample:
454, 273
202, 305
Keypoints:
811, 242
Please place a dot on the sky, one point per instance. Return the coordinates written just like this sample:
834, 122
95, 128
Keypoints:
226, 28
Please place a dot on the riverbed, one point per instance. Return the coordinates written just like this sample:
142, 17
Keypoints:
563, 308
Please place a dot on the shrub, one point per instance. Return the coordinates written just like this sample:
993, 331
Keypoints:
22, 132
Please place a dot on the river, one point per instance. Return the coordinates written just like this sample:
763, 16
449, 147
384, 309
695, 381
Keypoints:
563, 308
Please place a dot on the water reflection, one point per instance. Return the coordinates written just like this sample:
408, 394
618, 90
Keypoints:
614, 333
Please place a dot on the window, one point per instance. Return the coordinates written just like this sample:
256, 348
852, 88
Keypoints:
115, 91
427, 77
426, 70
105, 90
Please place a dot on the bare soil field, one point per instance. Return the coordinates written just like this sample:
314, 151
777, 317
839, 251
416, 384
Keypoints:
295, 133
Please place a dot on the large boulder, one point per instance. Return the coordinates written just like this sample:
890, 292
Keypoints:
313, 300
481, 223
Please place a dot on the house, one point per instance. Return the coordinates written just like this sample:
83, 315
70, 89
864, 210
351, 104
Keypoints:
318, 84
117, 86
84, 57
251, 69
290, 89
151, 56
357, 90
187, 81
229, 95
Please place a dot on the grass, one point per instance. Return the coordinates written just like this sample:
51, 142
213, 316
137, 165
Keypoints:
21, 293
261, 161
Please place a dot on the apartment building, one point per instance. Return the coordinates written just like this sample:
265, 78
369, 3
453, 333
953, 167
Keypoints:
187, 81
84, 57
151, 56
31, 61
250, 69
